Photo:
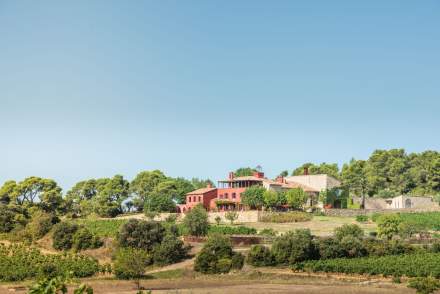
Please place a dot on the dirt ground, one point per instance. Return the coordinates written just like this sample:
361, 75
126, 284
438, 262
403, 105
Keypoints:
319, 225
226, 285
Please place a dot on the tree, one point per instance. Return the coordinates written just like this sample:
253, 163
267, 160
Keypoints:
217, 256
231, 216
388, 225
196, 221
253, 197
141, 234
35, 191
354, 178
330, 169
111, 194
157, 202
293, 247
296, 198
284, 173
6, 192
170, 250
244, 171
130, 263
79, 198
144, 184
198, 183
175, 189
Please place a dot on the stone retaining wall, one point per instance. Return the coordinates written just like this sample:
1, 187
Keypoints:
356, 212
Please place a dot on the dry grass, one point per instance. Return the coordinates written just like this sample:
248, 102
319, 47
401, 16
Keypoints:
319, 225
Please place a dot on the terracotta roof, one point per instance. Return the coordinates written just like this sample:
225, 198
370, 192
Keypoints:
201, 191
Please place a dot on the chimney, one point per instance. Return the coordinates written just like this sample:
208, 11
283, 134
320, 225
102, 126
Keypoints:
259, 175
231, 175
306, 171
208, 185
280, 179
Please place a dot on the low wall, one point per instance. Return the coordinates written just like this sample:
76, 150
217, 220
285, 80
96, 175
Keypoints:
356, 212
248, 216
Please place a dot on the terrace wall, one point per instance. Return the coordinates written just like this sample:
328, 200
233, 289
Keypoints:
356, 212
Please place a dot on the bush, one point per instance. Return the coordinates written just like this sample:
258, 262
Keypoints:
424, 285
237, 261
361, 218
171, 250
349, 230
130, 263
267, 232
62, 238
40, 224
376, 247
231, 216
294, 247
224, 265
196, 221
7, 222
352, 246
260, 255
84, 239
218, 220
286, 217
407, 230
388, 225
141, 234
217, 256
329, 248
229, 230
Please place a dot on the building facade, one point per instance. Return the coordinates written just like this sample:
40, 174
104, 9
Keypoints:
228, 194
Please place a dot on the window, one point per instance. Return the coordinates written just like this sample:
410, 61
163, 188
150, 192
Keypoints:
200, 198
226, 195
189, 199
233, 195
221, 196
194, 199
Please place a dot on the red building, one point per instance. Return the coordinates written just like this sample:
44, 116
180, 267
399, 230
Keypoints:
226, 197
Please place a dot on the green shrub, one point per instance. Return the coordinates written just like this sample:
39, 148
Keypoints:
424, 285
388, 225
352, 246
237, 261
67, 235
231, 230
224, 265
196, 221
260, 255
294, 247
361, 218
63, 235
349, 230
170, 250
267, 232
84, 239
329, 248
218, 220
130, 263
40, 224
286, 217
141, 234
216, 256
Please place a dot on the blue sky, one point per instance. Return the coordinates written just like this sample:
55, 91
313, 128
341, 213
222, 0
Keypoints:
198, 88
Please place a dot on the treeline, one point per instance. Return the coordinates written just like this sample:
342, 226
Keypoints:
386, 173
106, 197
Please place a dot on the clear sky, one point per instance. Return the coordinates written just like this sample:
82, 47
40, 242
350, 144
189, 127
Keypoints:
199, 88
